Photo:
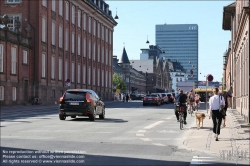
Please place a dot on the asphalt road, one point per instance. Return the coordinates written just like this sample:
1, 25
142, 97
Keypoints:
131, 134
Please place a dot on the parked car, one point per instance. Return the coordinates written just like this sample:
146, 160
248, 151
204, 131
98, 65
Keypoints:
136, 97
165, 98
81, 102
152, 99
161, 97
170, 97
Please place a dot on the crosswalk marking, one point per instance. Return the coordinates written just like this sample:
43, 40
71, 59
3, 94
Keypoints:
153, 125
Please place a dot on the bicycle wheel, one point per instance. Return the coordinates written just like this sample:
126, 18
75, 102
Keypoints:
181, 121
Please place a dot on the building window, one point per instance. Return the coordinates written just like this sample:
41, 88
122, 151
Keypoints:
94, 52
13, 1
67, 41
84, 47
106, 57
110, 58
98, 77
53, 3
60, 69
110, 37
102, 54
84, 21
67, 10
73, 15
73, 72
66, 70
44, 3
102, 78
1, 92
98, 53
12, 19
61, 8
79, 18
13, 60
93, 77
53, 33
73, 42
43, 65
106, 35
89, 24
53, 67
1, 57
89, 76
60, 36
98, 30
25, 57
84, 75
89, 50
94, 27
79, 73
79, 45
44, 29
102, 32
106, 79
14, 93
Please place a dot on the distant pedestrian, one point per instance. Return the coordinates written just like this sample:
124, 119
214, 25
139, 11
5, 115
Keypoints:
215, 103
127, 98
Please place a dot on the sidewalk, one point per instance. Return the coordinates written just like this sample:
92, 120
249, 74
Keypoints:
233, 140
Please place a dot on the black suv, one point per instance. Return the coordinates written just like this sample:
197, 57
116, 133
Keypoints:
81, 102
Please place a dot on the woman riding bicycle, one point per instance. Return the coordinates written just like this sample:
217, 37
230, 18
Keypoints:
197, 100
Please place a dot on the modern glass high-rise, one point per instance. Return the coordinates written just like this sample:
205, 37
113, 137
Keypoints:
179, 42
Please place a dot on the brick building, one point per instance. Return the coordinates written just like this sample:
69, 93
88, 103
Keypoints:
73, 42
236, 59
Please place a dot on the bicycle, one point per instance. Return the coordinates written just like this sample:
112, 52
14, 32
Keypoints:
191, 108
180, 109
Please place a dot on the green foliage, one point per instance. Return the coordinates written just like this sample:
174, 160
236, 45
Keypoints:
117, 80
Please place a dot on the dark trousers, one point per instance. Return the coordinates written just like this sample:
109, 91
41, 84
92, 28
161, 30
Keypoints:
217, 118
185, 114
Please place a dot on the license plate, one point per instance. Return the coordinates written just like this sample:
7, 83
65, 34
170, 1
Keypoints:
149, 99
74, 103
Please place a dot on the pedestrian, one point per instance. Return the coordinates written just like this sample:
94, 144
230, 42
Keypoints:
215, 103
127, 97
124, 97
225, 95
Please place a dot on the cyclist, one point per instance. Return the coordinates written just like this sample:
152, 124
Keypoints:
191, 97
181, 98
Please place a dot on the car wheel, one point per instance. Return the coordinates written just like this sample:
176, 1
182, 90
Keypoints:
62, 117
102, 116
92, 116
73, 116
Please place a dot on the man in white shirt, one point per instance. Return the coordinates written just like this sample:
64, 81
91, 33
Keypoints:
214, 105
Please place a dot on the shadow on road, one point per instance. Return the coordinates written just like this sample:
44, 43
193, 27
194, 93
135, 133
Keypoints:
106, 120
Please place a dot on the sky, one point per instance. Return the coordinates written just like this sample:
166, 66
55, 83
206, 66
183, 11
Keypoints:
137, 20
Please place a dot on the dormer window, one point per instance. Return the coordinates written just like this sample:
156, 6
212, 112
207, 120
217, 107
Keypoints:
13, 1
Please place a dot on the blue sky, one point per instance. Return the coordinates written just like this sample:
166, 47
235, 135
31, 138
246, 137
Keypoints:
137, 20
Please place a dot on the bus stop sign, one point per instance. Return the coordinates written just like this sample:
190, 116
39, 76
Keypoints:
210, 78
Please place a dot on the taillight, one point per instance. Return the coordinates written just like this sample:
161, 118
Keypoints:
61, 99
88, 99
182, 108
144, 98
155, 99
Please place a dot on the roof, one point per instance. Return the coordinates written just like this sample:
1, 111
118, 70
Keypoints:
124, 57
143, 65
175, 66
227, 12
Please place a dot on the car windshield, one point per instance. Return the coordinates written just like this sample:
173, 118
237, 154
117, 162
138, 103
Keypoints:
75, 95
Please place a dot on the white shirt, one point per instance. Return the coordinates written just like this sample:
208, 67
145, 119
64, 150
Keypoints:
214, 103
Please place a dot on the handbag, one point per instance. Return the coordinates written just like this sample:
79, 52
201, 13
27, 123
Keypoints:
221, 109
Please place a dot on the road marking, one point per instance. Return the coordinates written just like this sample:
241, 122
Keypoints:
141, 131
169, 118
201, 160
139, 135
153, 125
145, 139
158, 144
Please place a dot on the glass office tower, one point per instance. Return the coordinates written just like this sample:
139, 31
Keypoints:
179, 42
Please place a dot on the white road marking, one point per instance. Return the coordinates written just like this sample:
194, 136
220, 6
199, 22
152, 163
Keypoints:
153, 125
141, 131
158, 144
169, 118
139, 135
145, 139
201, 160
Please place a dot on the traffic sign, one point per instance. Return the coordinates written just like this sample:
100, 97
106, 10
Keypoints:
210, 77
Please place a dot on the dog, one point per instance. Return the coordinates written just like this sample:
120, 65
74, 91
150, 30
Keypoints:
200, 117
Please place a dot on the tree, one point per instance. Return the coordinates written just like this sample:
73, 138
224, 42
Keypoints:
117, 80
